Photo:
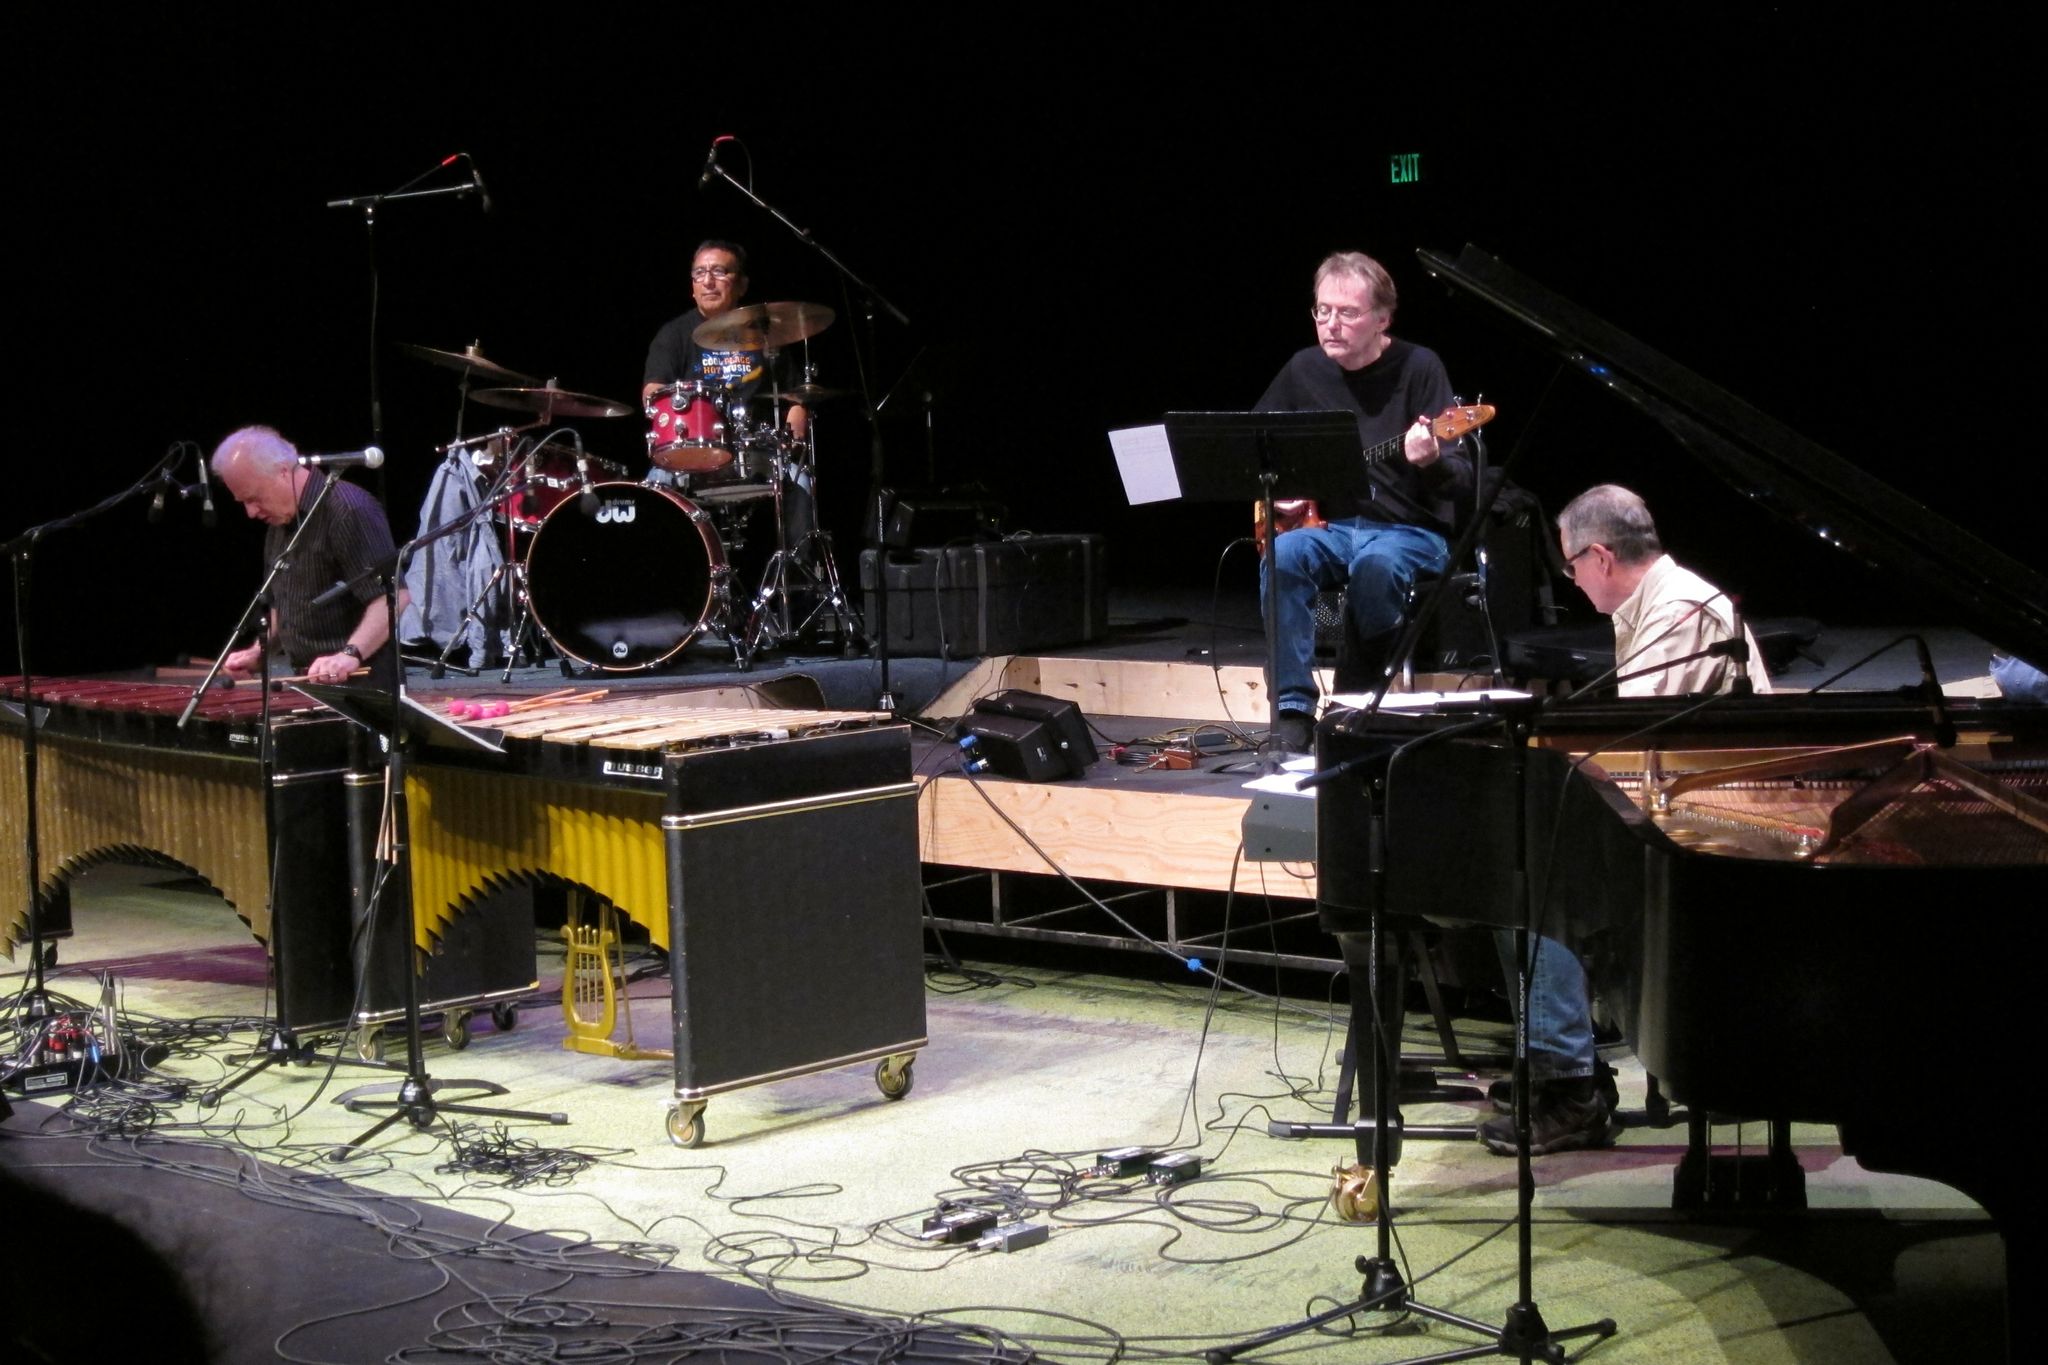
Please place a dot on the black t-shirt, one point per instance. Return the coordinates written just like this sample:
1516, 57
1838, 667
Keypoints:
1407, 381
674, 356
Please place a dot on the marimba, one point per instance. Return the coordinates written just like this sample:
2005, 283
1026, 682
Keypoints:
118, 781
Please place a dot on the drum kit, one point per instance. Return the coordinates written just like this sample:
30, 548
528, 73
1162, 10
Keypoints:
622, 576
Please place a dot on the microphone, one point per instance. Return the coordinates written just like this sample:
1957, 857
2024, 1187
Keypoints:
1738, 652
586, 501
156, 504
370, 457
1930, 689
476, 177
711, 160
206, 513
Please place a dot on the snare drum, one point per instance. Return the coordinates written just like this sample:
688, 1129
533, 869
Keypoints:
686, 427
625, 587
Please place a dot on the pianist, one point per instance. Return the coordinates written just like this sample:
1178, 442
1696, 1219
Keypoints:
1663, 616
329, 642
1389, 527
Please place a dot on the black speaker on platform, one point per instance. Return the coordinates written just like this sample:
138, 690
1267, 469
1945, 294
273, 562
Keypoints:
919, 519
1029, 735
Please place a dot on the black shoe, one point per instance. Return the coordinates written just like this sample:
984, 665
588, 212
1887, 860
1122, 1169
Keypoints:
1295, 732
1565, 1116
1502, 1092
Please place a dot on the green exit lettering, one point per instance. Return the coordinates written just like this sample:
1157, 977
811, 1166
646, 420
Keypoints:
1405, 168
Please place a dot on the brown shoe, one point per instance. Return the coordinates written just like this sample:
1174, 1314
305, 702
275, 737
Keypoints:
1563, 1116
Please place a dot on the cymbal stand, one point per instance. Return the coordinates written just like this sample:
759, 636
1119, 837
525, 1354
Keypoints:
810, 561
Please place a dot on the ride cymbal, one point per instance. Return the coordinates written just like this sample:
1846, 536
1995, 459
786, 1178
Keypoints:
763, 326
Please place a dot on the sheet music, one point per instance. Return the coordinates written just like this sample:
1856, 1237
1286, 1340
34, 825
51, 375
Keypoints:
1145, 463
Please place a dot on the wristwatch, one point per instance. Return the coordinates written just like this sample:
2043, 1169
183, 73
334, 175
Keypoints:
351, 650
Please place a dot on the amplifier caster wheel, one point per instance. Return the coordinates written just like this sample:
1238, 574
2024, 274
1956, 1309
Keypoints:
894, 1077
686, 1123
370, 1043
505, 1017
455, 1029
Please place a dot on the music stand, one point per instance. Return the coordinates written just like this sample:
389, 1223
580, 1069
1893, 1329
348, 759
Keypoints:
1228, 456
403, 722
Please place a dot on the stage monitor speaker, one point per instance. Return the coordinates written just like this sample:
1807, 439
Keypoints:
1070, 737
919, 520
1009, 746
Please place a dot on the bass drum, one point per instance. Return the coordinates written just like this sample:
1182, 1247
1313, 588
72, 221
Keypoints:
625, 586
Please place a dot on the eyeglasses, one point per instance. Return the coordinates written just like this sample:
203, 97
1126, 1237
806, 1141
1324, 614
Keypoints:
1571, 568
713, 272
1323, 312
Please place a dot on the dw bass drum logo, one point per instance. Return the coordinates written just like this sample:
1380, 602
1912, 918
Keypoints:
616, 513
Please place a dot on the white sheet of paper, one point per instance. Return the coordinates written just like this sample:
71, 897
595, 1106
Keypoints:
1145, 464
1423, 701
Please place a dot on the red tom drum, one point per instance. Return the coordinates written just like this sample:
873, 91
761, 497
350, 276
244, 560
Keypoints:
686, 427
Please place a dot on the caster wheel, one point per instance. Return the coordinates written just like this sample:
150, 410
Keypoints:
505, 1017
370, 1044
455, 1028
686, 1124
894, 1077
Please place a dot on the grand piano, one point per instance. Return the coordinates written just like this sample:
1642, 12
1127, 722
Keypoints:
1794, 906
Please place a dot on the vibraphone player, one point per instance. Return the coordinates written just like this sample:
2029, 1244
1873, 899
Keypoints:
347, 537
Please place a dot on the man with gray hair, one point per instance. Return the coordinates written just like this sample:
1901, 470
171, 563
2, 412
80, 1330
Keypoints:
1389, 525
330, 641
1666, 618
1662, 613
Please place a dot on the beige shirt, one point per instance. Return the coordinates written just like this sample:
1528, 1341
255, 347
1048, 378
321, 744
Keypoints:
1672, 613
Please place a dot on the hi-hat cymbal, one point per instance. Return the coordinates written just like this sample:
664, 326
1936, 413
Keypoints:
551, 402
469, 360
763, 326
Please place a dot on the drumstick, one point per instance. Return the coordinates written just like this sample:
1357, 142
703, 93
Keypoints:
308, 677
544, 699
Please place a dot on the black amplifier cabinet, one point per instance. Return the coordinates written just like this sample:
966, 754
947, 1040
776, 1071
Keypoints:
795, 929
1005, 597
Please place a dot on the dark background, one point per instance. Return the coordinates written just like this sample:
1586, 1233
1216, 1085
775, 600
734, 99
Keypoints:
1089, 221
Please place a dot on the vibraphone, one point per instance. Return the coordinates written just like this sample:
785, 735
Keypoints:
119, 782
773, 854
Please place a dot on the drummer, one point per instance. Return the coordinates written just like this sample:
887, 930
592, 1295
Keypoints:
718, 281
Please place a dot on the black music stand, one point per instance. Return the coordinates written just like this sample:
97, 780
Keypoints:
1230, 456
402, 722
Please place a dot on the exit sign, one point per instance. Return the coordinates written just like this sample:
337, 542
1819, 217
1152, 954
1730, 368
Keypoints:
1405, 168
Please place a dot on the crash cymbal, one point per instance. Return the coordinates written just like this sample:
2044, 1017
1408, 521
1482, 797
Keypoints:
550, 401
469, 360
810, 395
763, 326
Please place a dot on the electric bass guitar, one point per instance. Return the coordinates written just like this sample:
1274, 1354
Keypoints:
1291, 513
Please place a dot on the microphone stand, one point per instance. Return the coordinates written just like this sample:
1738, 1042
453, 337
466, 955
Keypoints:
390, 906
282, 1045
1523, 1333
877, 509
369, 204
20, 552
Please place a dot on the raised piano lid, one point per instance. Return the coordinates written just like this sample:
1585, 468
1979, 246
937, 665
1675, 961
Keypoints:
1999, 598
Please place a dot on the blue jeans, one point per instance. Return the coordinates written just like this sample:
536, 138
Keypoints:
1376, 561
1560, 1012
